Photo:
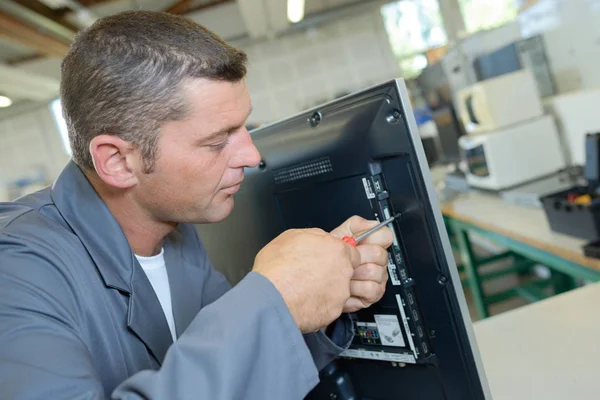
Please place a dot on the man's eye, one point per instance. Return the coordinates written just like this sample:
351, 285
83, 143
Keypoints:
220, 145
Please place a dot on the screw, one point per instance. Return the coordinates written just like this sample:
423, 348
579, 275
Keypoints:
315, 119
442, 280
262, 164
393, 117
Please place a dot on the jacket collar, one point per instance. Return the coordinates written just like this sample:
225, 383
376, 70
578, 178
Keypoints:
93, 223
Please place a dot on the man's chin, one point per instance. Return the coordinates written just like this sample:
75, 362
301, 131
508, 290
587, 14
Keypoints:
218, 213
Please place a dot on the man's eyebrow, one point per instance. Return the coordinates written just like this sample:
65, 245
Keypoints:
224, 131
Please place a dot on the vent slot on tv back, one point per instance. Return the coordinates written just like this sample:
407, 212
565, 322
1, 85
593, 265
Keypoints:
301, 171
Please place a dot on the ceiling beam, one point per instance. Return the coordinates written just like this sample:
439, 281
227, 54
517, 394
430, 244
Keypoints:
23, 59
31, 37
182, 7
44, 24
179, 7
42, 9
89, 3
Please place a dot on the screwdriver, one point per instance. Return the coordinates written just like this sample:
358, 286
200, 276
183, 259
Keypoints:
353, 241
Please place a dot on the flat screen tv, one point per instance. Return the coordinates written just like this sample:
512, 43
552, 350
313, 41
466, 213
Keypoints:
362, 155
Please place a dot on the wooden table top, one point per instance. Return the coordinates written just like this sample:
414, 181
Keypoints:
547, 350
524, 224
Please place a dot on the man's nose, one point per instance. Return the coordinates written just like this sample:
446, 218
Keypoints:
247, 154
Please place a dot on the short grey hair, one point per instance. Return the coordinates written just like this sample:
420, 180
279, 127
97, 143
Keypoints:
123, 76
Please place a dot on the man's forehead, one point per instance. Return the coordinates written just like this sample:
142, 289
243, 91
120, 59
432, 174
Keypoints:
209, 96
217, 107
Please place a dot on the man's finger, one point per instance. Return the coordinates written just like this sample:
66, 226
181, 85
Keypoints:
368, 291
353, 226
383, 238
371, 272
372, 253
356, 225
355, 257
354, 304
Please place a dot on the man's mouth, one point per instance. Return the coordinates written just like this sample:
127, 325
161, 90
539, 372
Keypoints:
233, 188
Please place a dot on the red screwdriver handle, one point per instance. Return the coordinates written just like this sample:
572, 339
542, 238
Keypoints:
350, 240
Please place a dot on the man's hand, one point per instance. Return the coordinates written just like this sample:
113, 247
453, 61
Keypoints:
370, 277
320, 276
312, 270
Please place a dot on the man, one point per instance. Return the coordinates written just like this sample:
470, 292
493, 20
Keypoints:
105, 288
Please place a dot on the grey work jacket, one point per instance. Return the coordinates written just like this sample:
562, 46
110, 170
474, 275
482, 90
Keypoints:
80, 320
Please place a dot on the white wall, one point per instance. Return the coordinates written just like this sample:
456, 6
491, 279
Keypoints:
286, 75
547, 14
29, 141
572, 33
48, 67
225, 20
294, 72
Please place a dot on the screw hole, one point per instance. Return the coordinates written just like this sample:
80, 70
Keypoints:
315, 119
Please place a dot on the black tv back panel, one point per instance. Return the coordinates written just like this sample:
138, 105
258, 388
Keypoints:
362, 155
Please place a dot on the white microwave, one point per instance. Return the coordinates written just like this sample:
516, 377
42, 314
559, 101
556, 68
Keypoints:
577, 115
512, 156
499, 102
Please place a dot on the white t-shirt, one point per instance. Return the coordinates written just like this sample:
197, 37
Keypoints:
156, 271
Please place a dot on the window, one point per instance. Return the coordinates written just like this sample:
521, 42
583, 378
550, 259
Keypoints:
61, 124
413, 26
487, 14
412, 66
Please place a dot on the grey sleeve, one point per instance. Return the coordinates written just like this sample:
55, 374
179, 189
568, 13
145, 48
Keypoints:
41, 354
324, 347
245, 345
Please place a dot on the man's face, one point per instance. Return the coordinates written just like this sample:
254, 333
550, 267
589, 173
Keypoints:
200, 161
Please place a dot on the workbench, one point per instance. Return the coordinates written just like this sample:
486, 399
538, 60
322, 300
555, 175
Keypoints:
548, 350
524, 232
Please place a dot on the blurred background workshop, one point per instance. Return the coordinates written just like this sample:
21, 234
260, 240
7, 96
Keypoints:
505, 94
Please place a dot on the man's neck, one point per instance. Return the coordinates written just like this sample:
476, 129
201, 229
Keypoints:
144, 234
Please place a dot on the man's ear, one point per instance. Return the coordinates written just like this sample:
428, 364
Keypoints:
115, 161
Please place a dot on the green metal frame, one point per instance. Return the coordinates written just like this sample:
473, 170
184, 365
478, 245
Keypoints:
563, 277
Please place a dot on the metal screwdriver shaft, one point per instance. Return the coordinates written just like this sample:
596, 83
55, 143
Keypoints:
353, 241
